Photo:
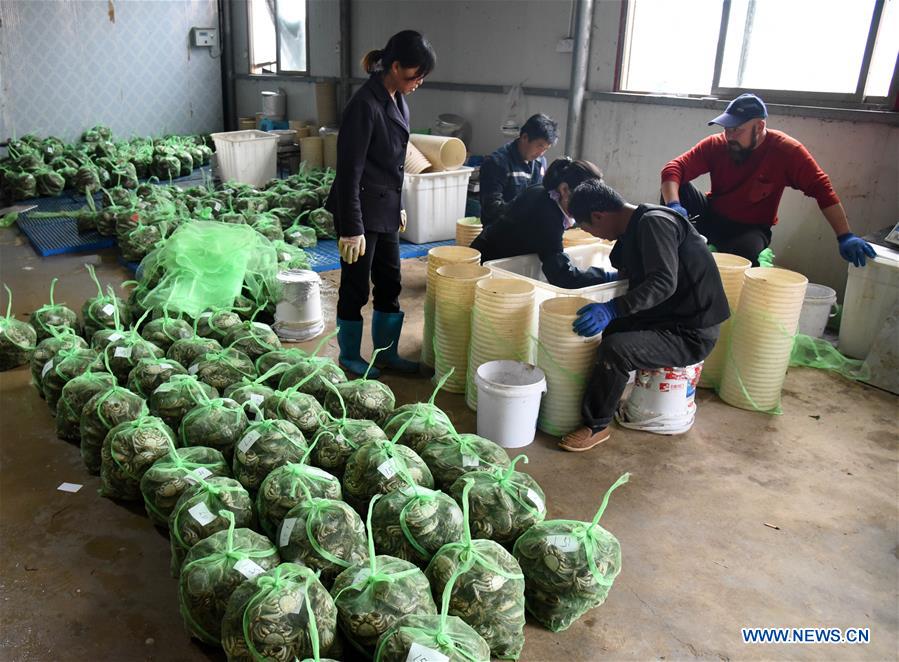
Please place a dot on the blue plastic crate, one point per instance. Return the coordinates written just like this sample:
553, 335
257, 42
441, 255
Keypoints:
324, 256
56, 236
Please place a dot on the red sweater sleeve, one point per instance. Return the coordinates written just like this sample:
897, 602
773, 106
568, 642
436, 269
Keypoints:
690, 165
805, 174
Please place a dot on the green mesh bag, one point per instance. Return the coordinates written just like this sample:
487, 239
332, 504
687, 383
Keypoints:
101, 413
165, 330
323, 534
283, 614
269, 360
325, 372
336, 440
301, 236
301, 409
197, 515
103, 311
148, 374
105, 337
67, 364
413, 522
569, 566
489, 593
205, 263
817, 353
47, 349
433, 636
248, 392
181, 393
17, 339
265, 446
166, 480
504, 503
214, 422
75, 394
453, 455
252, 338
213, 569
224, 368
378, 467
371, 596
215, 324
421, 422
362, 398
53, 316
286, 486
128, 451
188, 351
124, 353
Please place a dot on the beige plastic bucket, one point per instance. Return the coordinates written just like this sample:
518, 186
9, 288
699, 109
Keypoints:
567, 360
442, 153
732, 269
312, 151
502, 323
416, 162
437, 257
329, 150
762, 338
467, 230
452, 320
578, 237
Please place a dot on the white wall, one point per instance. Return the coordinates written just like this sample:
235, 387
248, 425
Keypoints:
501, 42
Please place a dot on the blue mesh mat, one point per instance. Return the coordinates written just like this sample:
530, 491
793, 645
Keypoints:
55, 236
324, 256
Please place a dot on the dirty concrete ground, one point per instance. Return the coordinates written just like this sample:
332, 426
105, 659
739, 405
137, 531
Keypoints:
85, 578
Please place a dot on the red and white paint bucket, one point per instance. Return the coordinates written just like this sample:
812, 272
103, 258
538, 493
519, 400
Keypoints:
662, 400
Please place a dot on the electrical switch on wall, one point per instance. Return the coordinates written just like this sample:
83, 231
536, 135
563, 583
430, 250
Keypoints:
203, 37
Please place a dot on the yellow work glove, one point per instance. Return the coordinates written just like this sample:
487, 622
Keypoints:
351, 248
402, 220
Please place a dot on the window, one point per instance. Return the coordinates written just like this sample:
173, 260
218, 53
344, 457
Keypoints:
841, 52
278, 39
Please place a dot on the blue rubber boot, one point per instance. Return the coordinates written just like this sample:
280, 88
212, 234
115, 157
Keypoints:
349, 337
385, 332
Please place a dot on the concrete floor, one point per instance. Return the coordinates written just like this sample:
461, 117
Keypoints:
84, 578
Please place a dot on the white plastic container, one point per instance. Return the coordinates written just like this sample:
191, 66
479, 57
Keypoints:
247, 156
298, 315
434, 201
871, 294
662, 401
817, 308
509, 393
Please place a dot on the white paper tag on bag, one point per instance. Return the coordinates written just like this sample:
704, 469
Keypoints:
108, 309
471, 461
564, 543
361, 576
48, 366
388, 468
286, 530
249, 568
123, 352
164, 388
257, 398
196, 474
201, 513
534, 498
115, 336
315, 471
248, 440
194, 369
260, 325
217, 206
419, 653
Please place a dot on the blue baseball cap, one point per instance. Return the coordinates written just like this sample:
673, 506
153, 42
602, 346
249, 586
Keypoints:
742, 109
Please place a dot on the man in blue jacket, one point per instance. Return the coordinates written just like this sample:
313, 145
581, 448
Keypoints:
515, 166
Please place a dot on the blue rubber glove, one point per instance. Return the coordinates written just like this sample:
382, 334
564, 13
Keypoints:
593, 318
610, 275
675, 205
853, 249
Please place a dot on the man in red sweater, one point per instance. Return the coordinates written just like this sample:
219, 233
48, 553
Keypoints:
750, 165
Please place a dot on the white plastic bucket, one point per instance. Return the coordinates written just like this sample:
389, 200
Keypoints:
509, 394
872, 292
662, 401
817, 307
298, 315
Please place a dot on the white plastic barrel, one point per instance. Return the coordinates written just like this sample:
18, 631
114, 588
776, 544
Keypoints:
662, 401
817, 308
509, 393
298, 315
871, 294
437, 257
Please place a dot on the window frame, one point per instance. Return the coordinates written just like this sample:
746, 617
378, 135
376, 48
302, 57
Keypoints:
305, 73
856, 99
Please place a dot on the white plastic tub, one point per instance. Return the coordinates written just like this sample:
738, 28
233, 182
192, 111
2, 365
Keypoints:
509, 394
817, 308
434, 201
872, 292
247, 156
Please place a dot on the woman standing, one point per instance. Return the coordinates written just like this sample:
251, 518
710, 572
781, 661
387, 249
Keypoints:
366, 198
535, 222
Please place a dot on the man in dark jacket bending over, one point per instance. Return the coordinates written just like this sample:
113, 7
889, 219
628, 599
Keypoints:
670, 315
